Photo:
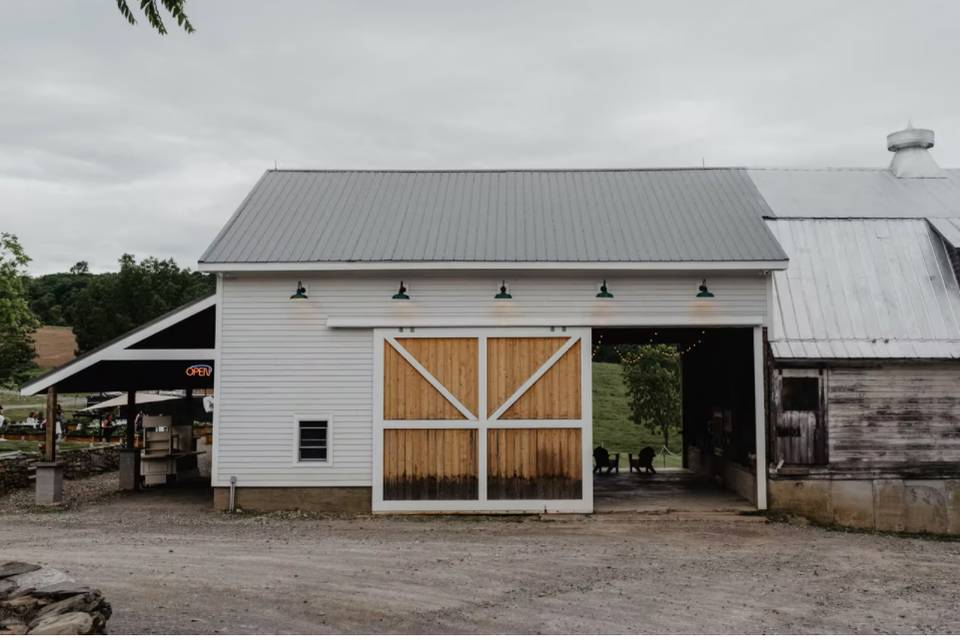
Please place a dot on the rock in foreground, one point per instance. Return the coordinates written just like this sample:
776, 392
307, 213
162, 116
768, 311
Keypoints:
39, 601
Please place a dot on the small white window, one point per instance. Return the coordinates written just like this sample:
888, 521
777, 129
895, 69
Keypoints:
313, 439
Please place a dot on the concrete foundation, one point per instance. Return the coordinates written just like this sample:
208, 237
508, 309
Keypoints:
344, 500
49, 483
129, 469
888, 504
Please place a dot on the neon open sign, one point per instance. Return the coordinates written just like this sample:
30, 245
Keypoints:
199, 370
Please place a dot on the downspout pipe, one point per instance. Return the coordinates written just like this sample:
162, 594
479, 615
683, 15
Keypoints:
233, 494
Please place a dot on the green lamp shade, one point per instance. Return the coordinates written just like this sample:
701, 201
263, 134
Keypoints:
503, 295
301, 293
704, 291
603, 291
401, 293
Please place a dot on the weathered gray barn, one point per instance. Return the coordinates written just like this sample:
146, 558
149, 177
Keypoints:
864, 343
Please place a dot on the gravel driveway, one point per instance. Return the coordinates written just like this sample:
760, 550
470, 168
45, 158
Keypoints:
168, 564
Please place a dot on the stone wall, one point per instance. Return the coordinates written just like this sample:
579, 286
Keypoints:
17, 469
889, 504
79, 463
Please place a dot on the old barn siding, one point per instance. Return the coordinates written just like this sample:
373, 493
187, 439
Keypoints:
895, 417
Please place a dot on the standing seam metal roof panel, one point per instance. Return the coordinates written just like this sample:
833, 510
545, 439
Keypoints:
616, 215
949, 228
864, 289
857, 193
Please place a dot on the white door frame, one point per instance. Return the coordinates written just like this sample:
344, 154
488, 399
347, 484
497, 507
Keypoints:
482, 423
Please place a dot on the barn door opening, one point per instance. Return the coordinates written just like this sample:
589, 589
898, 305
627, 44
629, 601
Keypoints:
483, 420
675, 420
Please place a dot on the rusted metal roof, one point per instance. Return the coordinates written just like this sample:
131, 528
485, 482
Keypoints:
663, 215
864, 289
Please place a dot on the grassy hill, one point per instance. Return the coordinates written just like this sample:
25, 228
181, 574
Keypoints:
612, 426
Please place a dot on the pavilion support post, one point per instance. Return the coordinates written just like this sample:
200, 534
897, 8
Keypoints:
49, 471
130, 455
50, 436
188, 397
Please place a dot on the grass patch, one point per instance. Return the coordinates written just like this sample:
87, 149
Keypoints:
612, 426
28, 446
16, 408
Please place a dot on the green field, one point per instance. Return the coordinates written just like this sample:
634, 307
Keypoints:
612, 426
16, 407
33, 447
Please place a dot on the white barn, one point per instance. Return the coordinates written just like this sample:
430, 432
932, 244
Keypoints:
453, 239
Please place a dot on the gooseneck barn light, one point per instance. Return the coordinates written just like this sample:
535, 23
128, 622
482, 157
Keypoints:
401, 293
503, 295
704, 291
301, 293
603, 291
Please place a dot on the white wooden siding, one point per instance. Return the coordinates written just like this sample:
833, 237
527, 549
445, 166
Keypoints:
278, 357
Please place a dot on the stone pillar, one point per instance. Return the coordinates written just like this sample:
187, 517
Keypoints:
129, 469
49, 483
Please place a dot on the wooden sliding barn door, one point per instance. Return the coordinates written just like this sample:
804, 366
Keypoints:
483, 420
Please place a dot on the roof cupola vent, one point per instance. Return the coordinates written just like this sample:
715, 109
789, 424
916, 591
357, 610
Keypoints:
911, 155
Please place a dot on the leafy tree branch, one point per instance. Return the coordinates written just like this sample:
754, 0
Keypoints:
152, 13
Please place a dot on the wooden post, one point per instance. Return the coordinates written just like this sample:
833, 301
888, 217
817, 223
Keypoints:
129, 455
50, 436
131, 418
188, 397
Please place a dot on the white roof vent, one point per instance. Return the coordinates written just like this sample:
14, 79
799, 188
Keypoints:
911, 155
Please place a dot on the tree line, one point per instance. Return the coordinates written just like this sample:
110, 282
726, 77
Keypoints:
99, 306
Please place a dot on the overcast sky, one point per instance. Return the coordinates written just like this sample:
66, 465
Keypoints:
114, 139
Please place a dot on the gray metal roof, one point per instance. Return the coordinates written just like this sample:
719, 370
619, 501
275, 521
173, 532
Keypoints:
949, 228
857, 193
499, 216
864, 289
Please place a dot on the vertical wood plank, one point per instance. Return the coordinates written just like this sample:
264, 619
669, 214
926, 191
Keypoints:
534, 463
430, 464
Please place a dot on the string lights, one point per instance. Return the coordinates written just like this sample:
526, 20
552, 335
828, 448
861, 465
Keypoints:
633, 358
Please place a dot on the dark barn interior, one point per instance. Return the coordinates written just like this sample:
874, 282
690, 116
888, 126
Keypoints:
717, 387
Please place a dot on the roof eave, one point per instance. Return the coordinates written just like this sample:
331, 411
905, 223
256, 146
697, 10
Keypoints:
660, 266
112, 349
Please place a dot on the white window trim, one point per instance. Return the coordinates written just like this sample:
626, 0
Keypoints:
312, 417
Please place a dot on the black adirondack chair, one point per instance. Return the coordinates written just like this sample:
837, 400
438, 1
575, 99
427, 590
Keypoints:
603, 462
644, 461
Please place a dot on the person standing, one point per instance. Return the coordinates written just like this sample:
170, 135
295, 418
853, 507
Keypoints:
61, 421
2, 417
106, 427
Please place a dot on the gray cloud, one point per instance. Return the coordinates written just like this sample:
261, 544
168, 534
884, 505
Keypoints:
115, 140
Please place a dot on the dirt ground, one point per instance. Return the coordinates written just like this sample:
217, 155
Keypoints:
168, 564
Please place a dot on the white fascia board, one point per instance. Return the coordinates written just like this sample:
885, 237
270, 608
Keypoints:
607, 321
116, 351
303, 267
162, 354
